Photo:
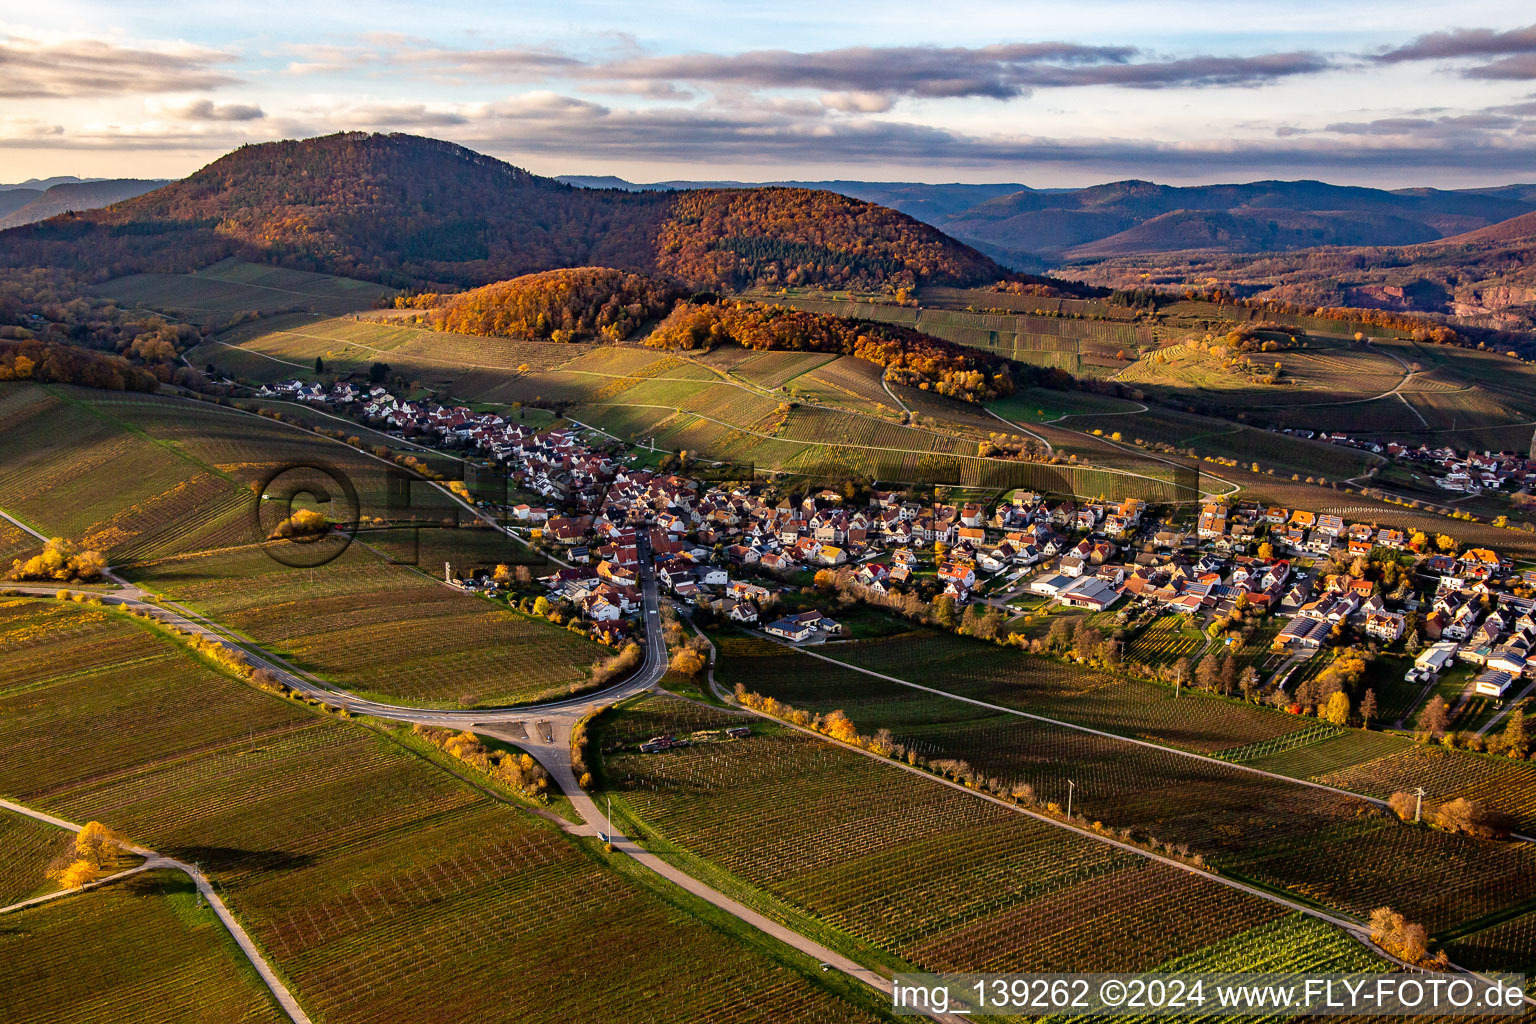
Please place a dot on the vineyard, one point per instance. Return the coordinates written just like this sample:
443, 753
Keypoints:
1321, 845
284, 346
1507, 946
375, 881
929, 876
1508, 785
1165, 640
382, 630
1074, 345
79, 474
1074, 693
231, 287
30, 848
144, 477
154, 954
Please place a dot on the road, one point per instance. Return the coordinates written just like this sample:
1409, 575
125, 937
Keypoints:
543, 730
157, 862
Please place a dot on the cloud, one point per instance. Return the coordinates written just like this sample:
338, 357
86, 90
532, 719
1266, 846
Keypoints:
207, 110
507, 64
1514, 49
854, 76
395, 115
548, 125
1186, 72
30, 69
1518, 66
857, 102
927, 71
1463, 42
1381, 126
858, 79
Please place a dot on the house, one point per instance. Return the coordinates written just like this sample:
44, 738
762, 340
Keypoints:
1384, 626
711, 576
740, 611
958, 572
599, 609
1213, 522
744, 591
791, 629
776, 562
830, 555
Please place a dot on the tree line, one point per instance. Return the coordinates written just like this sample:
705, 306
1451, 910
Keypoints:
908, 357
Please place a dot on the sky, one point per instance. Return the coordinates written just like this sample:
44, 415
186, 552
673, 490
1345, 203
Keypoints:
1046, 94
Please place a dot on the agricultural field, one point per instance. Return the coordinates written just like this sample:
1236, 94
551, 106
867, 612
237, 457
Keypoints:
1497, 781
80, 472
31, 847
142, 949
1320, 845
1511, 944
1165, 640
230, 287
140, 477
1036, 405
375, 881
1094, 347
390, 632
1070, 692
926, 875
847, 381
274, 348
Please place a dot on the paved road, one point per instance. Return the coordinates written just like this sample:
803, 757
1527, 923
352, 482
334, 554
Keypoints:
157, 862
543, 730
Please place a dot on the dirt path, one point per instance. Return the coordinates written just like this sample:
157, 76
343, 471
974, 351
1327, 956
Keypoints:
155, 862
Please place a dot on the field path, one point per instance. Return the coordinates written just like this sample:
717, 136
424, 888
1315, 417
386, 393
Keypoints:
1080, 728
154, 862
1355, 929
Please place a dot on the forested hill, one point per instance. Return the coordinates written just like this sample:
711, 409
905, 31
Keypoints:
410, 211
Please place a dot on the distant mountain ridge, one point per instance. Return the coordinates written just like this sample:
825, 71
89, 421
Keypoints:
44, 184
34, 205
1041, 229
416, 212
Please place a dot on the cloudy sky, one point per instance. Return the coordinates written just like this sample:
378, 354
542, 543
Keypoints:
1066, 93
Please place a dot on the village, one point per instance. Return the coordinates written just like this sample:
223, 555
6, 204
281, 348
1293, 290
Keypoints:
741, 552
1468, 472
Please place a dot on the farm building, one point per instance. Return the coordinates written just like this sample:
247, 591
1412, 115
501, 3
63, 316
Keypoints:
1492, 684
1050, 584
1088, 592
1436, 657
1302, 632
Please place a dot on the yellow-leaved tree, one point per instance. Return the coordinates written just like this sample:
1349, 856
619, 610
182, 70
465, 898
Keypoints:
98, 852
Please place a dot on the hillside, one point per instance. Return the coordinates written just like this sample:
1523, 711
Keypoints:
1255, 230
1037, 229
1482, 278
580, 303
413, 212
75, 195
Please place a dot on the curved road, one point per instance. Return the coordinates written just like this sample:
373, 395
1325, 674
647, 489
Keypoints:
543, 730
